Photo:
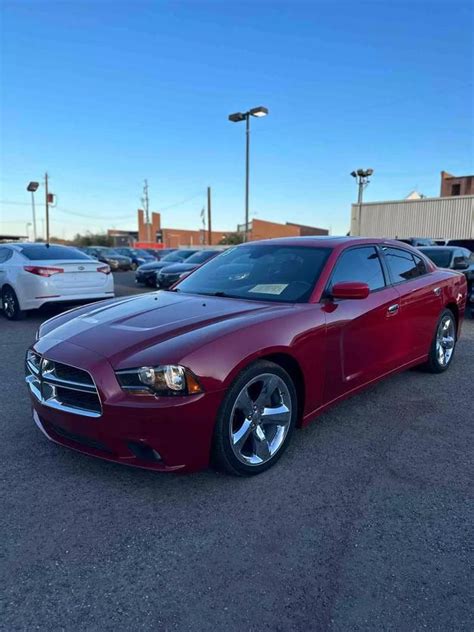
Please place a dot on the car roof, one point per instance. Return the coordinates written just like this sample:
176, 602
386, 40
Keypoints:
443, 248
327, 241
27, 245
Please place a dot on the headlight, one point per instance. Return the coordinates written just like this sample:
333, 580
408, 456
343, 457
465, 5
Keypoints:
169, 379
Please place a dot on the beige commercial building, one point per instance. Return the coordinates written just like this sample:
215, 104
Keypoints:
440, 218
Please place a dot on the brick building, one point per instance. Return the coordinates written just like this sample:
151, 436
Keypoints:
452, 185
262, 229
176, 237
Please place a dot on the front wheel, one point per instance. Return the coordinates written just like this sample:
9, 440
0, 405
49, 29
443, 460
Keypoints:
444, 343
256, 420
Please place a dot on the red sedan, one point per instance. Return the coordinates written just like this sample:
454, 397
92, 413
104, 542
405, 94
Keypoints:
259, 340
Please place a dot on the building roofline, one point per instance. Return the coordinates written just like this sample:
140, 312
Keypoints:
420, 201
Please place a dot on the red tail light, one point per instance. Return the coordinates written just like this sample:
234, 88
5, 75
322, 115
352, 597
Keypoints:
104, 269
43, 271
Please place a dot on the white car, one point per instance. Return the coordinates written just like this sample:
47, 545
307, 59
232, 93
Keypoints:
32, 274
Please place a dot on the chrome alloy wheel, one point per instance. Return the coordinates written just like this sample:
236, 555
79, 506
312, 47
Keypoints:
260, 419
445, 340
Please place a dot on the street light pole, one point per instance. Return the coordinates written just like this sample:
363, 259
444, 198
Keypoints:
34, 214
46, 199
247, 173
258, 112
32, 187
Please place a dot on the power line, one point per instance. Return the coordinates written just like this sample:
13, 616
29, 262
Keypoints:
62, 209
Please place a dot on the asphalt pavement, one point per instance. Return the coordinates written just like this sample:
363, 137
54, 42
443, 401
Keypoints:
365, 524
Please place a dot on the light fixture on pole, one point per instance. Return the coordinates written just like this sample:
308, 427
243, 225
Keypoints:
32, 187
362, 177
237, 117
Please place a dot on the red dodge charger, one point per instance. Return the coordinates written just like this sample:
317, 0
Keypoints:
258, 340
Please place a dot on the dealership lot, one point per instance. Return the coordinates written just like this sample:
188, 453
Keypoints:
365, 523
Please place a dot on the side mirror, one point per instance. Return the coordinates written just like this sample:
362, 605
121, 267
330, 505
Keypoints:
460, 263
354, 289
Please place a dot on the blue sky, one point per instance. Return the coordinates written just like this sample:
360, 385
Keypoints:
103, 94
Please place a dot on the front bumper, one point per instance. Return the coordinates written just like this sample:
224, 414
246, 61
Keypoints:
156, 433
144, 277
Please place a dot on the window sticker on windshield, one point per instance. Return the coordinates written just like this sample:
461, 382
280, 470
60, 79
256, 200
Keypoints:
269, 288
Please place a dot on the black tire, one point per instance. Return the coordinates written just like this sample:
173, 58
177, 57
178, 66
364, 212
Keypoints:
223, 456
10, 304
133, 267
434, 365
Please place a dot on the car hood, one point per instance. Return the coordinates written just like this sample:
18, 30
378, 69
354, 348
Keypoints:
123, 328
178, 268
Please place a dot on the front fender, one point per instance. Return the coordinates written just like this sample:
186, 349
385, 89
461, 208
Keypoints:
299, 334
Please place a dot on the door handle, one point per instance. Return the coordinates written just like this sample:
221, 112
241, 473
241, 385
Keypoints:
437, 291
393, 309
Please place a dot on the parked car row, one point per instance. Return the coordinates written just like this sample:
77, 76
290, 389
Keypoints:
164, 273
124, 258
34, 274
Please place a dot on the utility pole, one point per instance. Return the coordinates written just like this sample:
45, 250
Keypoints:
46, 198
209, 224
146, 205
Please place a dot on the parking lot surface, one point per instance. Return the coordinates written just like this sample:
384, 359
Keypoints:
364, 524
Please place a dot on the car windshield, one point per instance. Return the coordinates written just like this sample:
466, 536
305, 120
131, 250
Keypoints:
200, 257
439, 256
37, 252
103, 250
284, 274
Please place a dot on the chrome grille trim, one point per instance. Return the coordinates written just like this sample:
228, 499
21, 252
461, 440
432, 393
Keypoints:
44, 386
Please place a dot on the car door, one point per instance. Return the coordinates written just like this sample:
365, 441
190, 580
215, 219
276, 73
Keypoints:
362, 335
420, 300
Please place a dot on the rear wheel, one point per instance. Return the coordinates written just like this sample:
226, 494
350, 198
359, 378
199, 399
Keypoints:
444, 343
10, 304
133, 266
256, 420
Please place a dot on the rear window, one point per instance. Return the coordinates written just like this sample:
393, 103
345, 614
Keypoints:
402, 264
37, 252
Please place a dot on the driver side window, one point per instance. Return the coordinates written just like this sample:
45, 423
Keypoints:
359, 264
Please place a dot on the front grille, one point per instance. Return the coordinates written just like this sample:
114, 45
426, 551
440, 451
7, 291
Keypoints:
66, 372
62, 386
